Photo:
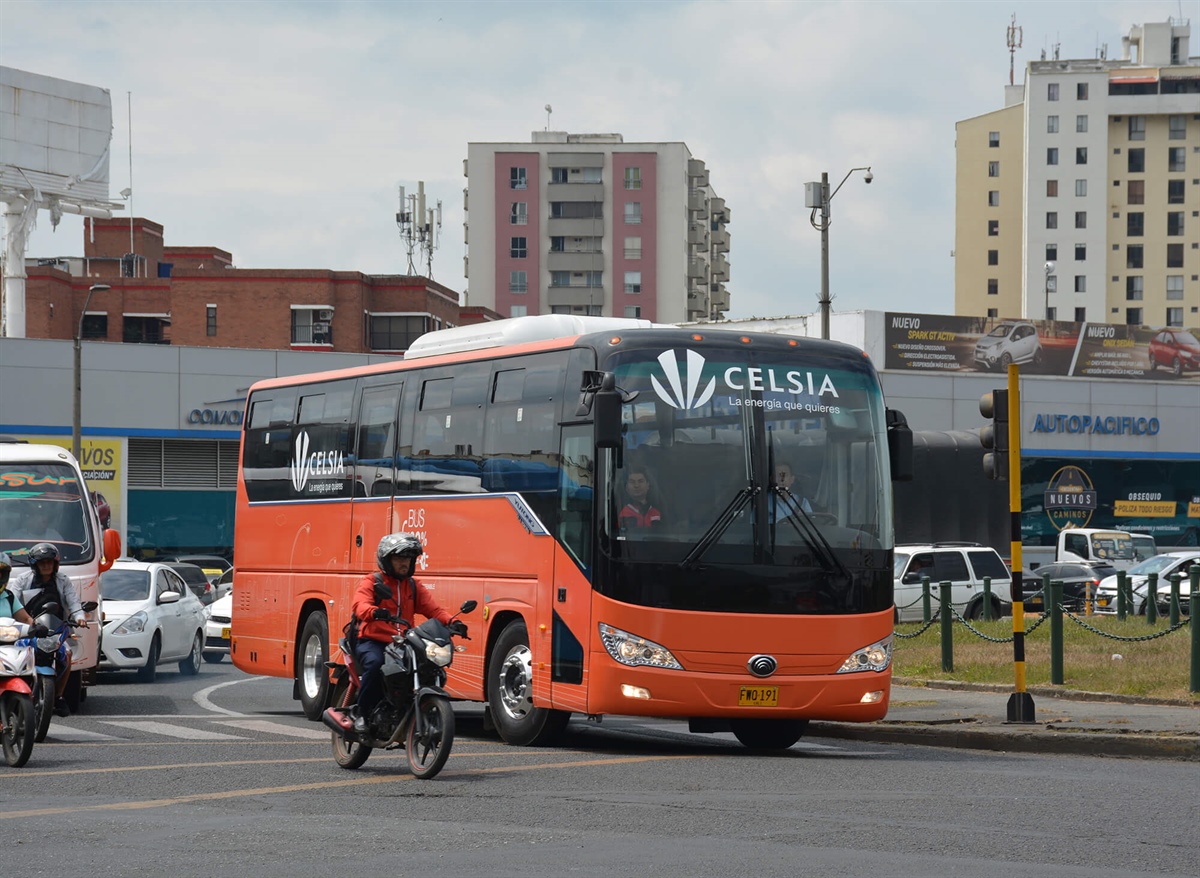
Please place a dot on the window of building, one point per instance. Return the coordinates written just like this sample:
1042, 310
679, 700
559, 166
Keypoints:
1081, 252
516, 179
1135, 224
558, 244
1175, 192
1052, 91
518, 310
1081, 188
993, 228
633, 248
1133, 316
993, 257
1175, 223
1081, 219
210, 320
993, 139
1174, 317
633, 281
395, 332
520, 214
1052, 313
576, 209
1177, 127
1081, 125
633, 213
560, 278
96, 326
1080, 315
1137, 127
993, 312
1081, 155
1177, 158
1052, 189
1175, 286
633, 312
1081, 91
558, 175
993, 198
633, 178
518, 248
312, 326
1051, 252
1052, 219
1051, 124
1174, 256
1081, 283
993, 169
518, 282
1052, 155
1137, 161
591, 278
1133, 288
993, 286
1134, 257
1135, 191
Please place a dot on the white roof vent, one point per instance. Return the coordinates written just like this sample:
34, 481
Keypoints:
515, 330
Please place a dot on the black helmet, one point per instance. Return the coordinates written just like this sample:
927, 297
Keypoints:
405, 545
43, 552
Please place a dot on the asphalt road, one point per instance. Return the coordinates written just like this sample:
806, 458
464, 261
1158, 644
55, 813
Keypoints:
221, 775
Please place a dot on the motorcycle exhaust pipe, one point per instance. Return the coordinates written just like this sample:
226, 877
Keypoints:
338, 720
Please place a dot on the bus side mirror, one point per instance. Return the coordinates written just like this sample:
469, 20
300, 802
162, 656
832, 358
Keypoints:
900, 446
606, 415
112, 548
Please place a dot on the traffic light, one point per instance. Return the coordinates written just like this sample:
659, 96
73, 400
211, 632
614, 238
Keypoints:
994, 436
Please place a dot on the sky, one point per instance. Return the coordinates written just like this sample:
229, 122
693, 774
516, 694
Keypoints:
280, 131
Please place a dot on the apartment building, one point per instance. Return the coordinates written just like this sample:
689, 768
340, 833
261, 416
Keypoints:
1079, 200
590, 224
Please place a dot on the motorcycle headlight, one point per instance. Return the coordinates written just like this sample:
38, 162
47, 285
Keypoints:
439, 655
135, 624
629, 649
876, 657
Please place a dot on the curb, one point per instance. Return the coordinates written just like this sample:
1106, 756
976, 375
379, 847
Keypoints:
1044, 692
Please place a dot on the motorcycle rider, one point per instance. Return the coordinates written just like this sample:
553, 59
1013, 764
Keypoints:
41, 584
393, 591
10, 602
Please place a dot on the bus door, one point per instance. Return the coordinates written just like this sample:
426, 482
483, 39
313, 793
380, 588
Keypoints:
376, 470
571, 597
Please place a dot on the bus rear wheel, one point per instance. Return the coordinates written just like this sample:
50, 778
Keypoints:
510, 693
312, 677
768, 734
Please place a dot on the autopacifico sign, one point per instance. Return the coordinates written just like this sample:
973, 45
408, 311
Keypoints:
1070, 498
218, 413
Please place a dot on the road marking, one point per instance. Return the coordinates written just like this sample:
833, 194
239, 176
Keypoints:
201, 698
262, 725
326, 785
174, 731
66, 734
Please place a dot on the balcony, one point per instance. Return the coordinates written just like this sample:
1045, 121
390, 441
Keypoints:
698, 268
575, 296
720, 241
698, 236
720, 269
575, 191
574, 260
698, 202
575, 228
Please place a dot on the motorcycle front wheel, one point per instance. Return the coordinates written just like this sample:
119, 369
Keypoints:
347, 754
16, 727
43, 706
428, 750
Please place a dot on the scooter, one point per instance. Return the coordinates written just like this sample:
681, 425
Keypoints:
54, 655
415, 710
17, 672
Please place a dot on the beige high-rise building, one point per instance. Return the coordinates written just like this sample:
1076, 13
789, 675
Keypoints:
1079, 200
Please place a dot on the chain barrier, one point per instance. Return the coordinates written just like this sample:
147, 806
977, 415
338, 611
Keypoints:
1183, 623
936, 615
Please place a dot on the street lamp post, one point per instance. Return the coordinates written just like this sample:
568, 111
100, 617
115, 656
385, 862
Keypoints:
1049, 268
76, 423
817, 196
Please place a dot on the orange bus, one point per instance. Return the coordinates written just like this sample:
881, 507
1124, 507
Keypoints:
510, 448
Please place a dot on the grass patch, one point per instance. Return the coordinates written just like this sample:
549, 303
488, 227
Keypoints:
1158, 668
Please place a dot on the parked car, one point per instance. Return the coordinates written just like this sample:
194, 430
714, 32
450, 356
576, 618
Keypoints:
218, 619
963, 565
196, 580
1010, 342
149, 617
1080, 580
1174, 349
1139, 575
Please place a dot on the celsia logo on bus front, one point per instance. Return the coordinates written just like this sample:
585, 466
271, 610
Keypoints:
300, 462
679, 395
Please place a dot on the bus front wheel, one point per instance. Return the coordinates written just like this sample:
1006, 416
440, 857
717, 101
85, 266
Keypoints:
768, 734
312, 677
510, 693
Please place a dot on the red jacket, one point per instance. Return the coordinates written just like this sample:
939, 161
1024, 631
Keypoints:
396, 597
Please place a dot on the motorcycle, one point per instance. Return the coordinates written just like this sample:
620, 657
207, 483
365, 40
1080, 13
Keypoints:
414, 712
17, 672
53, 662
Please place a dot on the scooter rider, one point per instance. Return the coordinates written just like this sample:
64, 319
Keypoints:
10, 601
41, 584
391, 592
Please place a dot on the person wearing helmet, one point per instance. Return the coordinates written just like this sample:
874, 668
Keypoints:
380, 596
10, 603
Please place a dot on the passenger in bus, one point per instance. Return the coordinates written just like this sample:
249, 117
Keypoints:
393, 591
639, 513
784, 507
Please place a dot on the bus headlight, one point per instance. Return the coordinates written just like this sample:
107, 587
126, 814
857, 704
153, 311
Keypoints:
629, 649
876, 657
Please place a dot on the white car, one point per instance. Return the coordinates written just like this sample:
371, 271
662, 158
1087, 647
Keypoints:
1164, 565
963, 565
218, 617
150, 617
1010, 342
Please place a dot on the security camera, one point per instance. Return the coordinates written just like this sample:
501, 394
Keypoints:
868, 177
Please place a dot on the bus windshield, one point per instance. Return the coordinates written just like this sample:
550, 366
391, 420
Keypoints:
768, 463
43, 502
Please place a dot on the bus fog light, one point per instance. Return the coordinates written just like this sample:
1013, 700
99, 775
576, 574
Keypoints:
872, 697
629, 649
635, 692
876, 657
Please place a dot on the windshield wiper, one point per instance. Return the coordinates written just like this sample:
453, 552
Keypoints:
719, 526
808, 530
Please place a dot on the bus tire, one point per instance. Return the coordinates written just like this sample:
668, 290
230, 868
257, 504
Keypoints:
312, 677
768, 734
510, 693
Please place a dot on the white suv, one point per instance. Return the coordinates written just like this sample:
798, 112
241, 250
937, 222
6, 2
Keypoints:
963, 565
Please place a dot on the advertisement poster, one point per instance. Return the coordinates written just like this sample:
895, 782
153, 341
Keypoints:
950, 343
101, 465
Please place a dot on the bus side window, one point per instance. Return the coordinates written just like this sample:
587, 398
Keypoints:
575, 498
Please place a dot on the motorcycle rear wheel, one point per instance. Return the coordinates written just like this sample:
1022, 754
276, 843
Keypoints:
43, 706
16, 727
427, 752
347, 754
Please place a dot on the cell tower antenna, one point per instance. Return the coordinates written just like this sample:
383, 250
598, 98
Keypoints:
1015, 38
420, 229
